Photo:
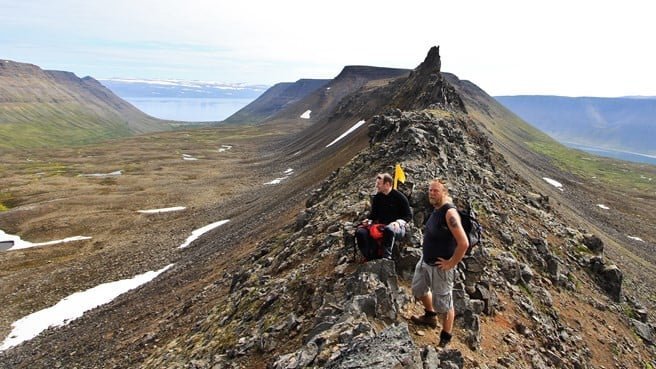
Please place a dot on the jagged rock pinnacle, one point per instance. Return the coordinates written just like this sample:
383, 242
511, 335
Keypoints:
432, 61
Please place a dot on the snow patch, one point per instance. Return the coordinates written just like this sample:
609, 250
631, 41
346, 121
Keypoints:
636, 238
306, 115
554, 183
287, 173
603, 206
188, 157
199, 232
275, 181
356, 126
112, 174
162, 210
72, 307
65, 240
225, 148
17, 243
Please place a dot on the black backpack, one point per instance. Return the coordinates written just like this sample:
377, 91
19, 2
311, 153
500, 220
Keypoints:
470, 224
472, 228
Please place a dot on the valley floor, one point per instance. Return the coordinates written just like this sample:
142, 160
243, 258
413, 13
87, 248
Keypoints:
51, 196
97, 191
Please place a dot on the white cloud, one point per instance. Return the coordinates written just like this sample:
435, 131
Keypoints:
510, 47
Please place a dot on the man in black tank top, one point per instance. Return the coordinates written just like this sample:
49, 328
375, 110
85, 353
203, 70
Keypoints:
445, 244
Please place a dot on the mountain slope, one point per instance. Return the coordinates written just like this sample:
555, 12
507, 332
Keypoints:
366, 91
349, 83
304, 305
590, 185
275, 99
276, 288
615, 123
48, 108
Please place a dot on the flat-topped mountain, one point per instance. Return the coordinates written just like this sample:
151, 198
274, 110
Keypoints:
306, 101
49, 108
274, 99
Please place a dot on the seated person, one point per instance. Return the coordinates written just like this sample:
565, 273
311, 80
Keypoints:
390, 208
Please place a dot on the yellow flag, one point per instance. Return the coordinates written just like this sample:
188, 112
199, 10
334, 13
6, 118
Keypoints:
399, 175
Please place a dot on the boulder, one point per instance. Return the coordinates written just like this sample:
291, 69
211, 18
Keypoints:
611, 281
392, 348
593, 243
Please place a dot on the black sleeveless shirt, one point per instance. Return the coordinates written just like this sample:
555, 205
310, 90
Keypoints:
438, 240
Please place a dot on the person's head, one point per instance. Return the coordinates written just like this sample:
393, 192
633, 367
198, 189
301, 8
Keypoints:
438, 193
384, 182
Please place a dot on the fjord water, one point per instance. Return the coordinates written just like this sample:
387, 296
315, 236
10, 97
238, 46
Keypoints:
189, 109
615, 154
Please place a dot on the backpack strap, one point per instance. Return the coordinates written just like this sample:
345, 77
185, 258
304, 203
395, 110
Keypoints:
441, 219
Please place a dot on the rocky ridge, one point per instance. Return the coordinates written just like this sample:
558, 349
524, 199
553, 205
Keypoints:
300, 301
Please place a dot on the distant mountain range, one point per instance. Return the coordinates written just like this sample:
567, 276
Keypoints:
131, 88
627, 123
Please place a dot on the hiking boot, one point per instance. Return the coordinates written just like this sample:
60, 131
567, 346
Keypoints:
429, 318
445, 338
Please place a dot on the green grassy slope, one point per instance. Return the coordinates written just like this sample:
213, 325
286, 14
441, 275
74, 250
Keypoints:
52, 108
529, 145
42, 125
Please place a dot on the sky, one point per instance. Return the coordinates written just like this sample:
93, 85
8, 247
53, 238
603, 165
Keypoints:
570, 48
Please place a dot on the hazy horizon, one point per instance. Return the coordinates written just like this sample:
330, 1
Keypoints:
512, 48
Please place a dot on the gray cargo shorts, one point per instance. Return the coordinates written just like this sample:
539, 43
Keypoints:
430, 278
